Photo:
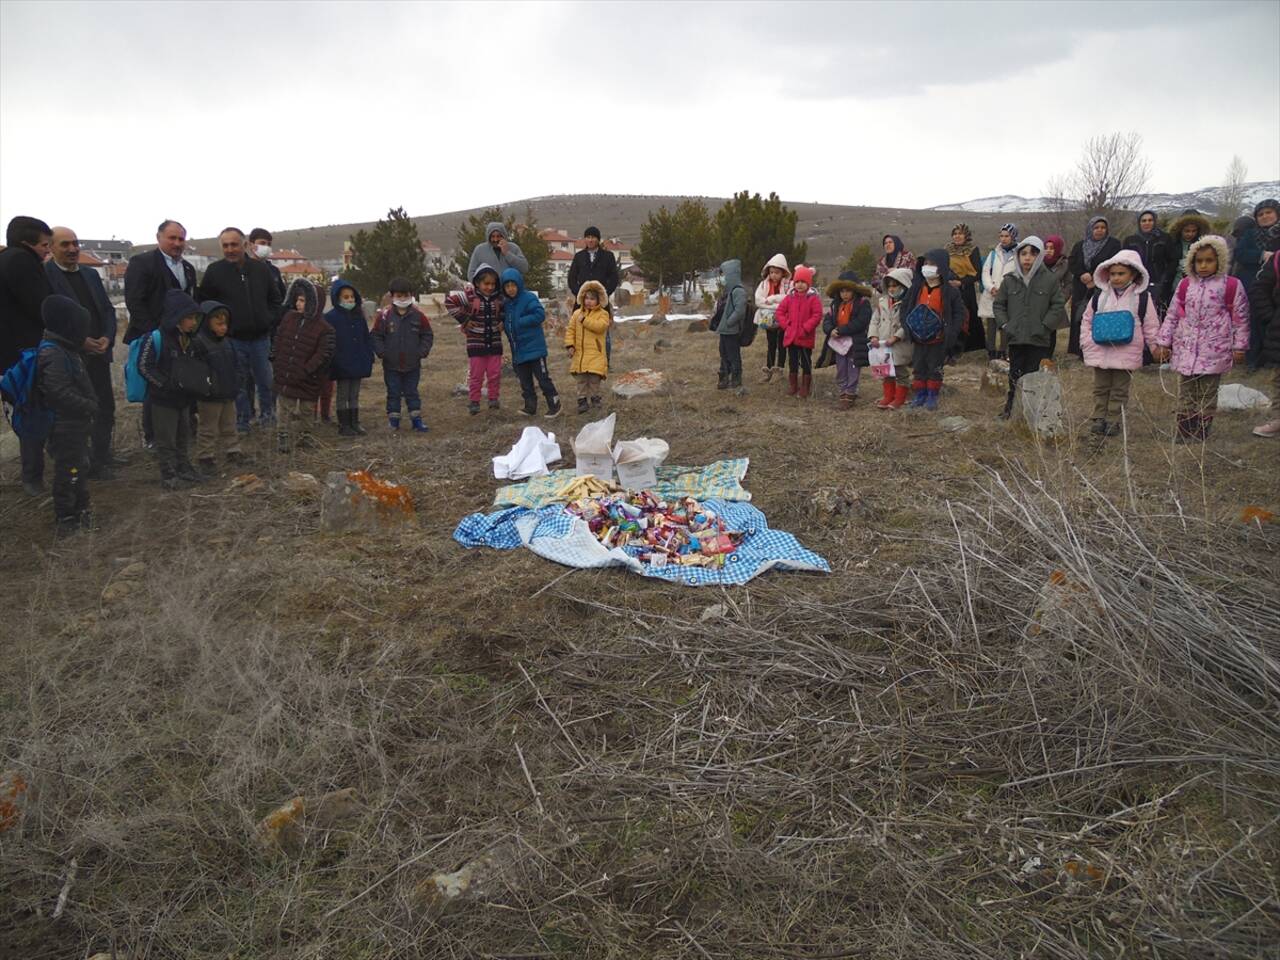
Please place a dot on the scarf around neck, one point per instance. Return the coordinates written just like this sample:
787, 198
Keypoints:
1092, 246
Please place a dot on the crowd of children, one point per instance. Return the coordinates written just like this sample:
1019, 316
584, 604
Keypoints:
1181, 298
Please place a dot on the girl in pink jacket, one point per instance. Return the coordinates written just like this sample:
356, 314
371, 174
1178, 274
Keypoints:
798, 316
1119, 286
1205, 331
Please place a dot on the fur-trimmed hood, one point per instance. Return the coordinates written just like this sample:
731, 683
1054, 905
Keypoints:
1175, 228
601, 294
848, 281
307, 289
777, 260
1219, 247
1131, 259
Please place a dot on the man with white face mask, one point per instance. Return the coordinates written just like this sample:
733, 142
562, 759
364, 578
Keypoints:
259, 248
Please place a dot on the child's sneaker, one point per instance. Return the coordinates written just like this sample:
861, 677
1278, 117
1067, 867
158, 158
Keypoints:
582, 405
553, 408
596, 401
494, 405
1099, 428
393, 421
530, 408
419, 426
473, 408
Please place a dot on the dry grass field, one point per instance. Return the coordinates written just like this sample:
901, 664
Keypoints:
1034, 711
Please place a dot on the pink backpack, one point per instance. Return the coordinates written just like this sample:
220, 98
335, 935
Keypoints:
1233, 284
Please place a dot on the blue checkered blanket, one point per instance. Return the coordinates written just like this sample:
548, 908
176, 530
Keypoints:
553, 533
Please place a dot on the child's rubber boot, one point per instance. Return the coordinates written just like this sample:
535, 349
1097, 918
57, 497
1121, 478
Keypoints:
473, 407
1203, 426
344, 424
933, 391
920, 393
582, 405
793, 384
1186, 428
418, 425
354, 421
597, 403
393, 421
887, 388
806, 385
899, 397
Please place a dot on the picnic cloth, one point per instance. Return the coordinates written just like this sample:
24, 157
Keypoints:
721, 480
551, 532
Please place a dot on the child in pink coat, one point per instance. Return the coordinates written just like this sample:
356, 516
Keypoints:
1119, 284
1205, 331
798, 316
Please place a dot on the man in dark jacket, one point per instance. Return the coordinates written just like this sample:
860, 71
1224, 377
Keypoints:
147, 279
259, 248
593, 262
247, 288
23, 287
65, 389
67, 279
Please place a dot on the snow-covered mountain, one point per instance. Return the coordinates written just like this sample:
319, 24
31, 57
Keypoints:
1205, 199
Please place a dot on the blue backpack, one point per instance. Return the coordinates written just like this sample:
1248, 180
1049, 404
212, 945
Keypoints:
135, 384
923, 324
1114, 328
30, 418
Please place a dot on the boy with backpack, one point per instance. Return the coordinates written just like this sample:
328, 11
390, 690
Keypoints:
1028, 307
62, 387
933, 316
176, 378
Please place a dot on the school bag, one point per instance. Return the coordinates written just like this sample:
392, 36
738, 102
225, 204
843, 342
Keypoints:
748, 334
1233, 284
29, 417
923, 324
1114, 328
135, 384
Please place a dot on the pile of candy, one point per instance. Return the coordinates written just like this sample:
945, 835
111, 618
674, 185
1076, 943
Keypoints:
657, 532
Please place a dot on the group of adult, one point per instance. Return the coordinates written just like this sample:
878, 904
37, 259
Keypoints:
1162, 252
39, 261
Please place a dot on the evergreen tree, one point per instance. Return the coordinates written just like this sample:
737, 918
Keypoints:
752, 230
391, 249
862, 261
694, 249
656, 255
471, 233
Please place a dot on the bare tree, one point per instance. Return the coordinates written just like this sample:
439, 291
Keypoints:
1231, 199
1065, 212
1112, 173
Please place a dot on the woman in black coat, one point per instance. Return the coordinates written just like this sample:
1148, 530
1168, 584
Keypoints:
1098, 245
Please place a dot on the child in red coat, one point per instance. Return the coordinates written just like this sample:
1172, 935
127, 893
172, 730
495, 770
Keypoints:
799, 315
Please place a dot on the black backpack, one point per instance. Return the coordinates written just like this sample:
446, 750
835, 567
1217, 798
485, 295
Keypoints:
747, 335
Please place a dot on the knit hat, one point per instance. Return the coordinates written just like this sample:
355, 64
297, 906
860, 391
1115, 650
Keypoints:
592, 232
803, 274
1268, 204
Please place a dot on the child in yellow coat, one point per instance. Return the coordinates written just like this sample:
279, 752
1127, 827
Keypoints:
585, 340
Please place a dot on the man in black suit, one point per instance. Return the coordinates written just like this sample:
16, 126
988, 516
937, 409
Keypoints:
83, 285
23, 287
147, 279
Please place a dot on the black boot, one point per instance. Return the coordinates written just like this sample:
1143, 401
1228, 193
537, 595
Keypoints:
355, 422
344, 424
582, 405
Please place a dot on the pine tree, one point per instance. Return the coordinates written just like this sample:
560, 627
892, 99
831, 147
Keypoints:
656, 255
752, 230
694, 249
391, 249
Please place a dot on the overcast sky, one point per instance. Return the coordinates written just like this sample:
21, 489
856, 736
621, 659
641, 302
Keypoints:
114, 116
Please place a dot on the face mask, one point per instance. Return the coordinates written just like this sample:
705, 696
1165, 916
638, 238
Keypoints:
402, 302
929, 271
347, 304
262, 250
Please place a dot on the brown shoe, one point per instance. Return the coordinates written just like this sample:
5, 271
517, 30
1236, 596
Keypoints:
792, 385
806, 385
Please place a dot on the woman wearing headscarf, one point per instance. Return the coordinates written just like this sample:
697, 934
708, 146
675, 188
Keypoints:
1086, 256
1055, 259
1154, 248
965, 260
895, 255
1000, 261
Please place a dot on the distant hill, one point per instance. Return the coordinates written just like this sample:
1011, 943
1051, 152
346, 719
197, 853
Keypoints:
1205, 200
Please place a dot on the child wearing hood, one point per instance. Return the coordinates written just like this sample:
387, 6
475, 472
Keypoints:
887, 331
1121, 285
478, 310
933, 316
799, 315
402, 339
1028, 309
301, 352
896, 256
847, 325
1183, 232
733, 318
1087, 255
176, 378
522, 317
217, 411
1204, 332
352, 354
65, 388
775, 283
584, 338
1000, 262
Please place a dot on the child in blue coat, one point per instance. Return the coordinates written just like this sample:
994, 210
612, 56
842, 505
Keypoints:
522, 319
352, 355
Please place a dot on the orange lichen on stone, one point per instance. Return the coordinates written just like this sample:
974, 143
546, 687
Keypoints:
391, 497
1250, 514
